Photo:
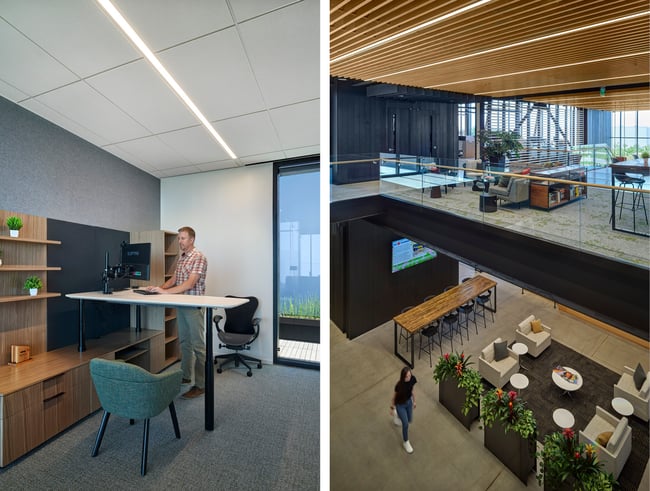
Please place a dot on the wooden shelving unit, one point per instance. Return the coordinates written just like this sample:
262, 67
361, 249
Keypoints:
563, 187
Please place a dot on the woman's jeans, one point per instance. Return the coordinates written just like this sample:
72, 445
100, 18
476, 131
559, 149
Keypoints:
405, 413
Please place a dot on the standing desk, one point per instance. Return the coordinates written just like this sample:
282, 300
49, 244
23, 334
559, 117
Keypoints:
424, 314
167, 300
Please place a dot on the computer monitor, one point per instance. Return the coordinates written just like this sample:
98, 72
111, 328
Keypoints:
136, 259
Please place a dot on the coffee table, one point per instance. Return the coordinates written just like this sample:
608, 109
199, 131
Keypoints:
563, 418
565, 384
622, 406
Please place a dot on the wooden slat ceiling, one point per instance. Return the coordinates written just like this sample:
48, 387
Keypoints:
553, 51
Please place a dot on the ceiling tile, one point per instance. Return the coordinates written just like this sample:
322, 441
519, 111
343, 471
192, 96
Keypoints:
263, 157
154, 152
194, 144
23, 64
223, 164
283, 48
165, 23
91, 110
246, 9
10, 92
139, 91
250, 134
75, 32
216, 75
301, 152
297, 124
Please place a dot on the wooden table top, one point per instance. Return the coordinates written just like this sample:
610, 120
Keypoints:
424, 314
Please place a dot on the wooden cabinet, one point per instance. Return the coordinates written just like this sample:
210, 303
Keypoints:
562, 187
164, 254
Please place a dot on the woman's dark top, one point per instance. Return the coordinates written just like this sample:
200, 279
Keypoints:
404, 390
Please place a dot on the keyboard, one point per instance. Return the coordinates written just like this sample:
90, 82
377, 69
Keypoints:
145, 292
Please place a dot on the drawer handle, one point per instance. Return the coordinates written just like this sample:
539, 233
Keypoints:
53, 397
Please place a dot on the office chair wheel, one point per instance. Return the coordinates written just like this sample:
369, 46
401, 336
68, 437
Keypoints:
249, 373
259, 365
219, 370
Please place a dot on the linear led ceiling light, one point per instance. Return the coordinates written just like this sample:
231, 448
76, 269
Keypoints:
144, 49
409, 31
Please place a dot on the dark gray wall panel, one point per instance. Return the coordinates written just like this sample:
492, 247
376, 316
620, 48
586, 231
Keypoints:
47, 171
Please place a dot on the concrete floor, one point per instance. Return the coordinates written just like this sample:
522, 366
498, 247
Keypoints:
366, 448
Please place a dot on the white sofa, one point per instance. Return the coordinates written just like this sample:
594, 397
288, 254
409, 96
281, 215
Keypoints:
537, 342
639, 399
613, 455
498, 373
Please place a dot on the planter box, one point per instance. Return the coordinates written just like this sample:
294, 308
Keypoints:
516, 453
453, 398
295, 329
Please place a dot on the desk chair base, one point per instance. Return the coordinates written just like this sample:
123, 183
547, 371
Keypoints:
145, 436
237, 358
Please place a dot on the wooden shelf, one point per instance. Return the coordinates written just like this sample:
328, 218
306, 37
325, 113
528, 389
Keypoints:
27, 267
30, 241
130, 354
169, 339
20, 298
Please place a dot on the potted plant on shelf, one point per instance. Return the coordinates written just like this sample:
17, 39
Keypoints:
460, 387
33, 284
566, 464
497, 145
510, 430
645, 156
14, 224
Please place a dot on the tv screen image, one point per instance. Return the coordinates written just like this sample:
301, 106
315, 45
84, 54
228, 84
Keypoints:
407, 253
136, 260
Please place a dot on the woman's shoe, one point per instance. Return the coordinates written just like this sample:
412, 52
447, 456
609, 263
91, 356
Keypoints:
408, 447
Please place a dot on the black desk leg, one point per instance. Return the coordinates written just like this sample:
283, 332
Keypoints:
82, 327
138, 318
209, 372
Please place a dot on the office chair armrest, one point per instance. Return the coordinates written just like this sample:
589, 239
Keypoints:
216, 319
256, 325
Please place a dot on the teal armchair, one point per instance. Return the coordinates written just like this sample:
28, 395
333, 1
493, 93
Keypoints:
132, 392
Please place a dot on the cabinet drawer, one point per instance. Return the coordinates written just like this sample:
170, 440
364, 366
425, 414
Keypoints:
21, 424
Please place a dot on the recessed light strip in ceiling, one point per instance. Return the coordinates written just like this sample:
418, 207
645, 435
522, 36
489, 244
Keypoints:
148, 54
514, 45
409, 31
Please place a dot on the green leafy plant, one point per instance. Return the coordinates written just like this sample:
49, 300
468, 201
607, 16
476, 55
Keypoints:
307, 307
645, 155
497, 144
14, 223
33, 282
509, 409
565, 461
456, 366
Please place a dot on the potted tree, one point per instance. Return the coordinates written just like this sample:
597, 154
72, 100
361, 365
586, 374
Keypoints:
459, 387
14, 224
566, 464
510, 430
645, 156
497, 145
33, 284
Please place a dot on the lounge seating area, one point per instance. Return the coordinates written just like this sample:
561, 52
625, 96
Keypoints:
638, 397
612, 438
534, 334
511, 189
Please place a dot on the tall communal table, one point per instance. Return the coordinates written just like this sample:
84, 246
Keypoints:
630, 167
422, 315
167, 300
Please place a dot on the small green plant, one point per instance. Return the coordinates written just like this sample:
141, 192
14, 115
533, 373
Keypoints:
14, 223
33, 282
645, 155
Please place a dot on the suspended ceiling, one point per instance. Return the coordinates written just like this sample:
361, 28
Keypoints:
553, 51
251, 67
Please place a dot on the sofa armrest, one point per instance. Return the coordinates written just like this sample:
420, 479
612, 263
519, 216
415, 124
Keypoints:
608, 417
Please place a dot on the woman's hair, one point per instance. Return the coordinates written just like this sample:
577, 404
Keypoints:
403, 373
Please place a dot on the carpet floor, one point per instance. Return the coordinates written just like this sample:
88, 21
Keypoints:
543, 397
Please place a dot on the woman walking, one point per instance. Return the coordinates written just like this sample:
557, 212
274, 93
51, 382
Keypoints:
403, 403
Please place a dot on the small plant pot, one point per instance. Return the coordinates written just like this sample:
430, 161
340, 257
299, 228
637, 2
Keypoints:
33, 292
14, 233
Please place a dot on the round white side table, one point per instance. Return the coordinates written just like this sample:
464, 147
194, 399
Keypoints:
519, 381
521, 349
563, 418
622, 406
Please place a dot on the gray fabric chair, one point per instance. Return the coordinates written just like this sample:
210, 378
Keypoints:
132, 392
516, 190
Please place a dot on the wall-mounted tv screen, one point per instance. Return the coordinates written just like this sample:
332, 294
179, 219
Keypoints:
407, 253
136, 260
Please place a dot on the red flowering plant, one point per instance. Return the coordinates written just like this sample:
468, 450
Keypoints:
509, 409
456, 366
568, 464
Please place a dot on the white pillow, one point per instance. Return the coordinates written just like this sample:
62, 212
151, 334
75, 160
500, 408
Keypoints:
618, 433
524, 326
645, 388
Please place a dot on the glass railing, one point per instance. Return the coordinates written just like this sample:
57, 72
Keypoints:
578, 205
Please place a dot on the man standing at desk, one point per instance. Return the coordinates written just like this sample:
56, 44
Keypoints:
189, 279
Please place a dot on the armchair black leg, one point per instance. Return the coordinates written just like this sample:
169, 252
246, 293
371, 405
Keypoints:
100, 433
145, 447
172, 411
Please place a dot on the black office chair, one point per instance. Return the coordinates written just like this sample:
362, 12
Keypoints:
239, 331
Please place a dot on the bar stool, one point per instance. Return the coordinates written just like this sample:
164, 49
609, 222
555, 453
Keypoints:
465, 312
432, 336
625, 180
638, 197
403, 333
482, 301
450, 327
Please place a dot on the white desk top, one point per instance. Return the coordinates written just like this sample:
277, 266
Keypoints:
162, 299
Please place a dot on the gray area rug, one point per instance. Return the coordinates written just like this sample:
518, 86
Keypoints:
543, 397
266, 436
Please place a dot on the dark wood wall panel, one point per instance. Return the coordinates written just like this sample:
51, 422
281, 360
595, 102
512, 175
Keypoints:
365, 291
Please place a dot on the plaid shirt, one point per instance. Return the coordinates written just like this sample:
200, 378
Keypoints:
193, 262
